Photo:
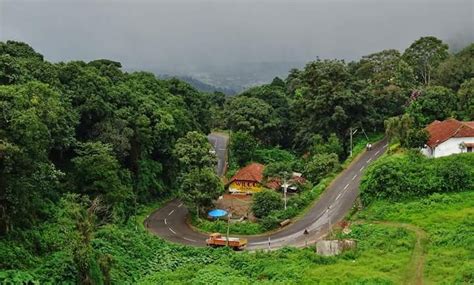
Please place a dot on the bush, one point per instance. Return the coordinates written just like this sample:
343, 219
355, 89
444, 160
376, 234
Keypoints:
241, 228
270, 222
271, 155
412, 175
321, 165
265, 202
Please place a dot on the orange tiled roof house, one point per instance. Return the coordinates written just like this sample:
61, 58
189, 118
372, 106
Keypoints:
449, 137
250, 180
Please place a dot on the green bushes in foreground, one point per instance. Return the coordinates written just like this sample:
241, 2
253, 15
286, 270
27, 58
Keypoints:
382, 255
403, 176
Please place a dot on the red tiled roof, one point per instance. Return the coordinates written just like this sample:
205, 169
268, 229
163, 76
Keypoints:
440, 132
275, 183
252, 172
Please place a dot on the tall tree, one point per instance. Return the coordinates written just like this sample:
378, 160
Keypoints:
466, 100
200, 187
424, 55
194, 151
252, 115
97, 173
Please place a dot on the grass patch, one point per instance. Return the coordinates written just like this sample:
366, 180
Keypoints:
448, 220
382, 256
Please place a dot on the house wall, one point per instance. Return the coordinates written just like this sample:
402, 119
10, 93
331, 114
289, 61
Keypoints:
245, 187
449, 147
427, 151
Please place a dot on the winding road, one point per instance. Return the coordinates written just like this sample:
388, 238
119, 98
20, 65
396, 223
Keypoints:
169, 222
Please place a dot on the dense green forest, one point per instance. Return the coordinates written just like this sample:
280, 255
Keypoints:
84, 146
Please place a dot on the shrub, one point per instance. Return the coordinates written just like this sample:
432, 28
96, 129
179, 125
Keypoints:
269, 222
321, 165
271, 155
265, 202
402, 176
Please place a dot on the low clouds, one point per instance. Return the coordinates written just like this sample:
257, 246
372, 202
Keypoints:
179, 36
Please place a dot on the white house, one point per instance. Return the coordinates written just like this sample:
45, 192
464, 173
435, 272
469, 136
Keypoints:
449, 137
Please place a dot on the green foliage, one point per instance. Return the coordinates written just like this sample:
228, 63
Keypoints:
265, 202
447, 220
402, 129
331, 145
91, 128
434, 103
278, 170
456, 69
194, 152
399, 177
415, 138
327, 103
200, 187
466, 99
97, 173
110, 133
251, 115
242, 148
241, 228
271, 155
149, 181
321, 165
424, 55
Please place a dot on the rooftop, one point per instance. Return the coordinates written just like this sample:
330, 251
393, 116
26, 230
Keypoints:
252, 172
441, 131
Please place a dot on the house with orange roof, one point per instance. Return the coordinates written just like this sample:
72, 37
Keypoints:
449, 137
250, 180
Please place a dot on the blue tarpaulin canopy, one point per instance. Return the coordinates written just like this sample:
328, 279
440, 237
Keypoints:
217, 213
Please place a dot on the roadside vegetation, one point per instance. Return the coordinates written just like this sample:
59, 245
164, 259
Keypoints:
85, 146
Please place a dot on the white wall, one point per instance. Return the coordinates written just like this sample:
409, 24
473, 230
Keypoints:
427, 151
450, 146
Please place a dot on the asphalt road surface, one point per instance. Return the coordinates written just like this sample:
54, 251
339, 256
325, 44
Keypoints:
170, 223
219, 142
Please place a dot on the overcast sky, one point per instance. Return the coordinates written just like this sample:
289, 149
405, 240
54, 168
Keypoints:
151, 34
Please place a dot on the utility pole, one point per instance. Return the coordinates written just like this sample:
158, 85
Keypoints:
350, 131
285, 186
351, 134
228, 227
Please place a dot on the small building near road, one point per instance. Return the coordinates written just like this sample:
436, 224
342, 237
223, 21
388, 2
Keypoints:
449, 137
248, 179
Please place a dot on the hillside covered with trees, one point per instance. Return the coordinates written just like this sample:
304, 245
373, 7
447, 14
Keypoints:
85, 147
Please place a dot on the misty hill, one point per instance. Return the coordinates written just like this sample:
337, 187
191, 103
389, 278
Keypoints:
232, 78
199, 85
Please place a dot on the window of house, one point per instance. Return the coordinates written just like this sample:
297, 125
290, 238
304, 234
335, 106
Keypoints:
469, 149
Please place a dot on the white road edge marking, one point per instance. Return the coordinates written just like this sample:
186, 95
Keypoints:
188, 239
354, 177
377, 152
179, 206
368, 160
338, 196
385, 145
165, 222
362, 168
171, 212
346, 186
172, 230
